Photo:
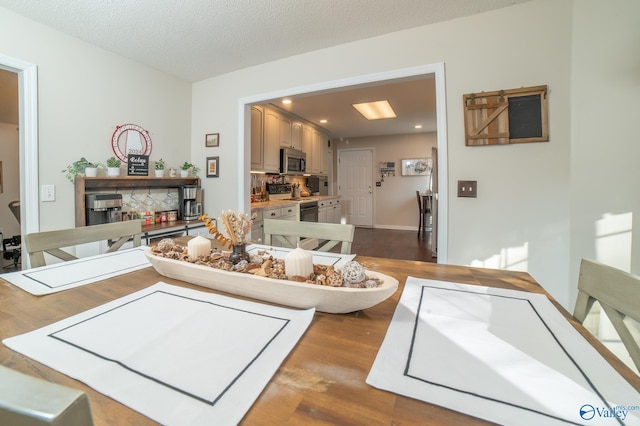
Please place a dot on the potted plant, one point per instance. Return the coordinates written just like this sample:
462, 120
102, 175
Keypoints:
81, 167
113, 166
160, 168
184, 169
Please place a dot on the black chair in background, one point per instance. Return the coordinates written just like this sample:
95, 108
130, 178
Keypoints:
11, 246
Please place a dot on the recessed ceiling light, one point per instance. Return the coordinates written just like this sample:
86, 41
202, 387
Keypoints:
286, 101
375, 110
418, 126
323, 121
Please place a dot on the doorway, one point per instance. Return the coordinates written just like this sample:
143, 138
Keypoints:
28, 141
355, 185
436, 70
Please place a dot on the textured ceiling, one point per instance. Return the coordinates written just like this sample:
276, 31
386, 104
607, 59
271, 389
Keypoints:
197, 39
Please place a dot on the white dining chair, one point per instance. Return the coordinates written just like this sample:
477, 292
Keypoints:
52, 242
618, 293
334, 233
27, 400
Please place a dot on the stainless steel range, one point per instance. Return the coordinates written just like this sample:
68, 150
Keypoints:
282, 191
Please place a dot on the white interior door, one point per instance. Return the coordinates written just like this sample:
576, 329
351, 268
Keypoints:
355, 186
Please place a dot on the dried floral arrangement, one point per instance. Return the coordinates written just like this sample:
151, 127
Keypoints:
237, 225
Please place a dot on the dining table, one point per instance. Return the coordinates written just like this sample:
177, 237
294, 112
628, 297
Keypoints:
323, 378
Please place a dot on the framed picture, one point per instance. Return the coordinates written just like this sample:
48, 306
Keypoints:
416, 166
212, 166
212, 139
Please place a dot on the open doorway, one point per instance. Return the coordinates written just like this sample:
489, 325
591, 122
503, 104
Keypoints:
28, 143
9, 172
436, 70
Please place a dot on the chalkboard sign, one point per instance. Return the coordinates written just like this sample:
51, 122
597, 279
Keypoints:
137, 165
525, 117
506, 116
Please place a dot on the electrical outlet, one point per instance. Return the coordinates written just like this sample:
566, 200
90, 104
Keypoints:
467, 188
48, 193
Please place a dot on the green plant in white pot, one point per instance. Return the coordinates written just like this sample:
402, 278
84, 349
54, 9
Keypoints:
184, 169
81, 167
113, 166
159, 167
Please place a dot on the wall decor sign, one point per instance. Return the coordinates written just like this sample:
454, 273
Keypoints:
416, 166
212, 139
137, 165
130, 139
506, 116
212, 167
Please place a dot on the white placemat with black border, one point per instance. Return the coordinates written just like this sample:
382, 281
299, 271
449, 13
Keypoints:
65, 275
179, 356
502, 355
319, 257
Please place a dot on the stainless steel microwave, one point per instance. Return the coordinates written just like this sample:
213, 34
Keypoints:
292, 161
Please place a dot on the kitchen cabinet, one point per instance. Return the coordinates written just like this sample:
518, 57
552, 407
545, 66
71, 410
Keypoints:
257, 139
285, 131
257, 228
271, 150
291, 212
320, 149
296, 135
330, 211
314, 143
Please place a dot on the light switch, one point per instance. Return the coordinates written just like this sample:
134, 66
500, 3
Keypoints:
467, 188
48, 193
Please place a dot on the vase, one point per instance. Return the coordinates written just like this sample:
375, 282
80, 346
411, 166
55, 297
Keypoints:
113, 171
91, 171
184, 173
239, 253
159, 173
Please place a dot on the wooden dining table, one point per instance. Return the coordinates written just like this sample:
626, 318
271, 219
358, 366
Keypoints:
322, 381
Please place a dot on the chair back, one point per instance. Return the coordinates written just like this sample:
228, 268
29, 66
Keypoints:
334, 233
27, 400
420, 204
618, 293
14, 206
52, 242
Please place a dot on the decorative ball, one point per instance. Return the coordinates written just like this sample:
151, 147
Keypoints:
353, 272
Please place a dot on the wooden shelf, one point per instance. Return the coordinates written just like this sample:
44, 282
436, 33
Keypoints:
97, 184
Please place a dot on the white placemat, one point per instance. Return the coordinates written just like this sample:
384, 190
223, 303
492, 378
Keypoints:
63, 276
319, 257
178, 356
502, 355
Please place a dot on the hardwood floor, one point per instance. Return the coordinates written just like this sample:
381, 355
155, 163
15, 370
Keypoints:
392, 244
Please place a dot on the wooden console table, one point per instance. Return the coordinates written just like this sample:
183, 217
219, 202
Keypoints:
96, 184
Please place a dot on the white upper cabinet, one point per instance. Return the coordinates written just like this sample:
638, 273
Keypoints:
272, 129
257, 140
285, 131
296, 135
271, 153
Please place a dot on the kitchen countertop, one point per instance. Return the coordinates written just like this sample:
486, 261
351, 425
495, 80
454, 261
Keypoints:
284, 203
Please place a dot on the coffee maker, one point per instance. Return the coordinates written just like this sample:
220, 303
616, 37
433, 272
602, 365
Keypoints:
103, 208
191, 199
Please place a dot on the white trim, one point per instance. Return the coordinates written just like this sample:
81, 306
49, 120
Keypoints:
28, 115
441, 112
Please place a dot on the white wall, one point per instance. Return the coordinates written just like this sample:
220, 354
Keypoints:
84, 92
395, 206
523, 206
9, 155
605, 88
